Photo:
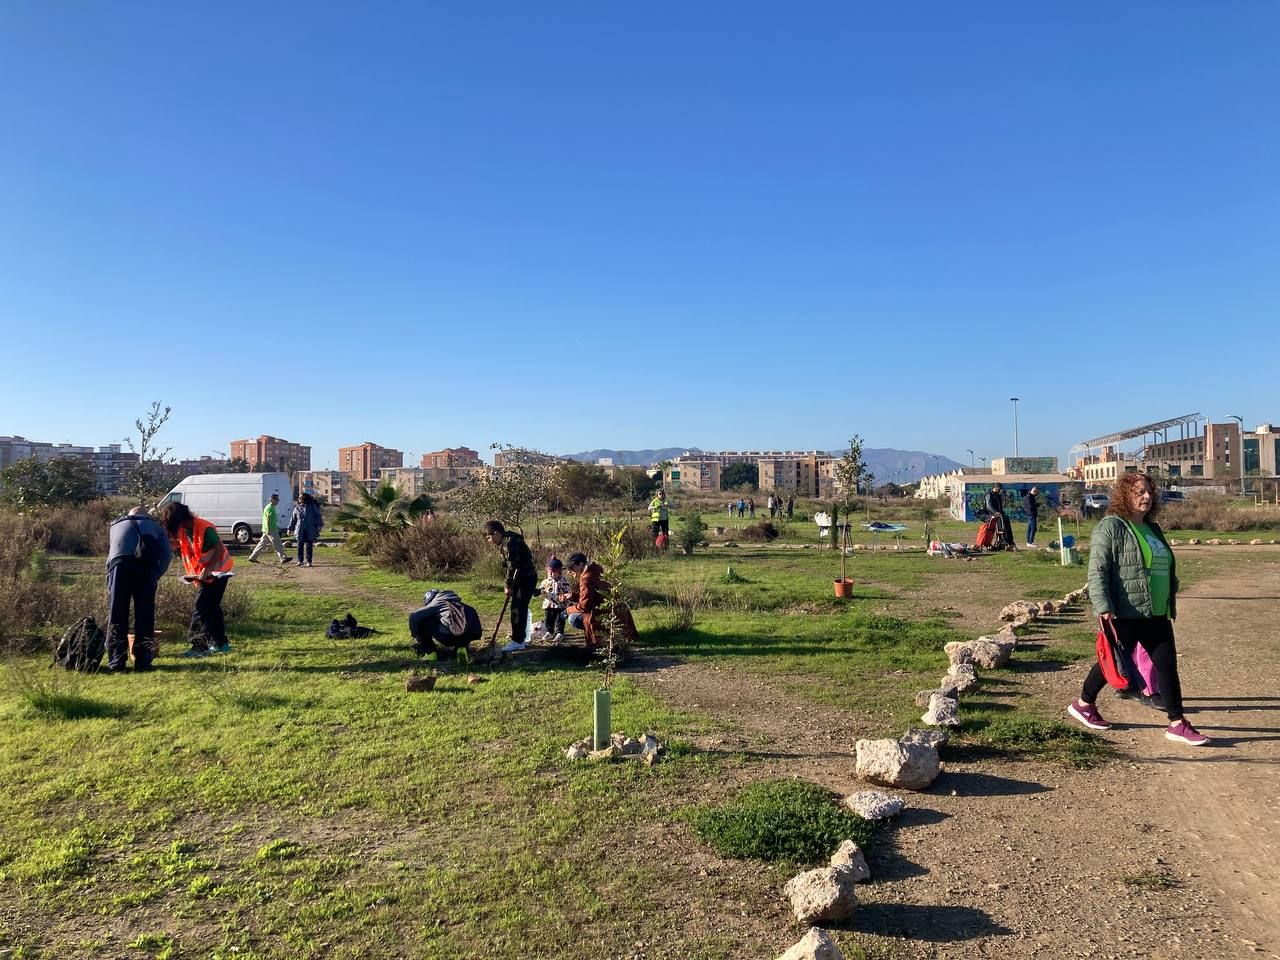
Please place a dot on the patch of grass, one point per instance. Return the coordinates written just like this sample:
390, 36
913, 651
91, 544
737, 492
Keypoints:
1151, 880
1025, 735
780, 821
278, 849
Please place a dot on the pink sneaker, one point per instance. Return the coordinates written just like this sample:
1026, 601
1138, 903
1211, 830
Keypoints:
1183, 732
1088, 714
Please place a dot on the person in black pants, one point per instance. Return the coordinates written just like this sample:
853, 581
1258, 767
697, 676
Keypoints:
995, 504
138, 557
520, 578
1031, 503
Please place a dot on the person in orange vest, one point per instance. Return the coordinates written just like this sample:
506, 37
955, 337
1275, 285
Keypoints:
208, 565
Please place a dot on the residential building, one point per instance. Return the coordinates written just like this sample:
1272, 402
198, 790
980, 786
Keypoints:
111, 465
204, 464
451, 457
365, 460
411, 481
111, 468
692, 473
272, 450
327, 486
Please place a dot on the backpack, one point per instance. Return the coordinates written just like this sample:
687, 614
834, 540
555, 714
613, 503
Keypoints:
347, 629
82, 647
147, 550
1117, 665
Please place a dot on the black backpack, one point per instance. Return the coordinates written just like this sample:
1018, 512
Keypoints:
348, 629
82, 647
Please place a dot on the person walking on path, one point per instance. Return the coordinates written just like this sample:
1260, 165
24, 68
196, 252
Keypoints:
660, 514
306, 524
270, 531
1133, 584
1031, 502
208, 565
138, 557
519, 575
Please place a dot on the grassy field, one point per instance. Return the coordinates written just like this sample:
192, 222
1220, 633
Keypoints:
291, 800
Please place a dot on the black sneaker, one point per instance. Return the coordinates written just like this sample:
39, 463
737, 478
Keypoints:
284, 560
253, 559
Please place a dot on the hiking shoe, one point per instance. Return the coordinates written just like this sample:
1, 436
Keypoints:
1154, 701
1088, 714
558, 638
1183, 732
254, 560
514, 646
284, 560
194, 652
224, 648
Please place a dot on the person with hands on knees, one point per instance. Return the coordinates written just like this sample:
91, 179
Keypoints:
520, 578
208, 565
1133, 585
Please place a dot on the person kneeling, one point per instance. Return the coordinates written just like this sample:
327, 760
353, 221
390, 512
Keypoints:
443, 624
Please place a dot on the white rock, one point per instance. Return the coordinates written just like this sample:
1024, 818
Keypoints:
874, 804
942, 712
815, 945
930, 737
824, 895
1020, 608
888, 763
850, 857
958, 652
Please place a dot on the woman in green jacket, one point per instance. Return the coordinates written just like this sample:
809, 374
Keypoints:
1133, 585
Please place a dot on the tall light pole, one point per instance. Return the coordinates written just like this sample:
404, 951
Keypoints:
970, 453
1014, 400
984, 462
1241, 420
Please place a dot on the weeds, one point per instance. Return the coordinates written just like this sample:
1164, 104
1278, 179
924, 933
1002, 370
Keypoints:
1151, 880
689, 599
1046, 739
55, 694
438, 550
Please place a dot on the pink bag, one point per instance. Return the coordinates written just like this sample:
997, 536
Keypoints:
1146, 669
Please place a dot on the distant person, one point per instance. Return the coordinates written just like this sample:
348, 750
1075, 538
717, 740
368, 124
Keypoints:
660, 514
995, 505
519, 576
270, 531
731, 509
555, 597
742, 506
138, 557
751, 506
306, 524
208, 566
1031, 503
773, 507
589, 607
791, 506
443, 624
1133, 585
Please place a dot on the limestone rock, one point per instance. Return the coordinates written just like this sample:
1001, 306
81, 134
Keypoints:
874, 804
961, 678
850, 857
627, 746
930, 737
922, 697
824, 895
1215, 542
1020, 608
1048, 607
888, 763
1233, 542
942, 712
815, 945
1175, 542
580, 750
608, 753
958, 651
417, 684
1195, 541
988, 653
1254, 542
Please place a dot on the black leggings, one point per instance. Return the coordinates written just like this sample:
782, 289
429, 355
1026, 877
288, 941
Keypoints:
1156, 636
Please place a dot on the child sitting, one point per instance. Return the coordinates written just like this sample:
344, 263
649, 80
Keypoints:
555, 594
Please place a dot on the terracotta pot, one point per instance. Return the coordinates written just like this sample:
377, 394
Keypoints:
844, 587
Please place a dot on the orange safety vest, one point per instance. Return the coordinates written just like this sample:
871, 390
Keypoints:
218, 559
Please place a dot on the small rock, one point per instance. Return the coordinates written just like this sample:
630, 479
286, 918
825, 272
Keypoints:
850, 857
474, 678
1195, 541
942, 712
958, 652
929, 737
608, 753
888, 763
578, 751
1215, 542
420, 684
874, 804
824, 895
1254, 542
815, 945
1019, 609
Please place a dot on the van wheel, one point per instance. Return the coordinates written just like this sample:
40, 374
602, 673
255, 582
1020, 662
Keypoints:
242, 534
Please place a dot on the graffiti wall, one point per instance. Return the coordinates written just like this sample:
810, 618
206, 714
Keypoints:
973, 502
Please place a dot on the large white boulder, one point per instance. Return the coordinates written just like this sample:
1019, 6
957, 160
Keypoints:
889, 763
824, 895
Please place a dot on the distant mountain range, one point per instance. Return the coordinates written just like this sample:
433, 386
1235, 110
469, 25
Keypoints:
884, 462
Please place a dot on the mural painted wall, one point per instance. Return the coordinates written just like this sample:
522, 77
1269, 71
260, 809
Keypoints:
1016, 465
973, 502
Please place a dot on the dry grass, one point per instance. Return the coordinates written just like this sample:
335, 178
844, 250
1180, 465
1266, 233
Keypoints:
438, 550
1209, 511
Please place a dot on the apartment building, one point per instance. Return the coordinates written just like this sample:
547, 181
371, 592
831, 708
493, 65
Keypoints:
692, 473
366, 460
111, 464
204, 464
272, 450
451, 457
327, 486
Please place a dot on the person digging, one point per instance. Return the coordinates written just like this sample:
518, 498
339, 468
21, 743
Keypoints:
520, 578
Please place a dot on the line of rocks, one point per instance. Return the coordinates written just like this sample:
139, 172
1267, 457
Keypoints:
1218, 541
911, 762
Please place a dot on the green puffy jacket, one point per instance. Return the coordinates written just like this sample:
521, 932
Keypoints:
1118, 581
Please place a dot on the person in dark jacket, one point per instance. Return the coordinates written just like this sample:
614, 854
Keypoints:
138, 557
1133, 585
995, 505
443, 624
1031, 503
519, 575
306, 523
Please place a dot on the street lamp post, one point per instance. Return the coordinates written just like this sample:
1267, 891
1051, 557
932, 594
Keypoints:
984, 462
1241, 421
1014, 400
970, 453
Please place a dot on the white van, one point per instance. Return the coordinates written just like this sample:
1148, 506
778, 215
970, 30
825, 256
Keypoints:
233, 502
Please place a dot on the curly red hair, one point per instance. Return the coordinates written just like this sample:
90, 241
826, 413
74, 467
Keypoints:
1124, 499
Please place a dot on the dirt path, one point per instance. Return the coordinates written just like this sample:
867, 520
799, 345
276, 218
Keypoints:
1166, 852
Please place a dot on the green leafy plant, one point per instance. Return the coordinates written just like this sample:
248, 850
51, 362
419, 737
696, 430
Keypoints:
380, 511
780, 821
693, 531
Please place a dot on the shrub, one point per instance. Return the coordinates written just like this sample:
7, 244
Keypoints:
761, 531
684, 605
596, 539
84, 531
1215, 512
780, 821
436, 550
692, 532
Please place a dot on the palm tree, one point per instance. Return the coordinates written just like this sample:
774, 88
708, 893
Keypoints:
381, 510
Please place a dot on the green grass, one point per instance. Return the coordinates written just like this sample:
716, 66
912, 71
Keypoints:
790, 822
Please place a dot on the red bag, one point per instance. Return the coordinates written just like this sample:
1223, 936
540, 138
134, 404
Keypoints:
1115, 662
660, 541
987, 533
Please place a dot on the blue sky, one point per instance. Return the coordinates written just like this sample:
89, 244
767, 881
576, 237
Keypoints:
576, 225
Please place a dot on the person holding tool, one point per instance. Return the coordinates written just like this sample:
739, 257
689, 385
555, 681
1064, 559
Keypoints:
519, 575
208, 565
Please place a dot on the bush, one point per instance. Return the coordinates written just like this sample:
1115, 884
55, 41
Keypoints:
439, 549
762, 531
1217, 513
780, 821
596, 539
692, 532
684, 605
84, 531
175, 600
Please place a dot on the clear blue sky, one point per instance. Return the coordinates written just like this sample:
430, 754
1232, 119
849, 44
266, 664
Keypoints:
578, 225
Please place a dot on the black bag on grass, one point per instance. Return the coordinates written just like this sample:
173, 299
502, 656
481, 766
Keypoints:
348, 629
82, 647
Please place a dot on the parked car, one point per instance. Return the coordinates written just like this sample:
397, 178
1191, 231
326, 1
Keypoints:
1096, 502
1172, 496
233, 502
